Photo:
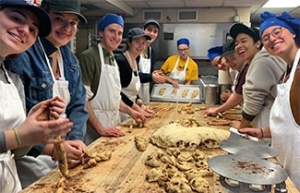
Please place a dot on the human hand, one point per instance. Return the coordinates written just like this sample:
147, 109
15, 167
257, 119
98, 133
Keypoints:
111, 132
220, 63
212, 111
175, 84
158, 77
137, 116
254, 132
75, 150
53, 107
33, 131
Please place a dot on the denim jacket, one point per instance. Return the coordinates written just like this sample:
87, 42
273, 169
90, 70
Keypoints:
32, 67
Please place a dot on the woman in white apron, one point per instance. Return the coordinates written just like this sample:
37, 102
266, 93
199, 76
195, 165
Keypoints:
16, 131
283, 31
32, 168
130, 80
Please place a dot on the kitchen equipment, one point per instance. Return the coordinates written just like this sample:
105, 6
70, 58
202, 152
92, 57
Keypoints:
240, 144
211, 94
166, 92
248, 171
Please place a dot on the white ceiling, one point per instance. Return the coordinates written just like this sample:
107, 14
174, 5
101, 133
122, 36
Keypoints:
98, 8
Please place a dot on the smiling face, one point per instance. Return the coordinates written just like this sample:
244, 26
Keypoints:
111, 37
279, 41
245, 47
18, 29
64, 28
234, 61
152, 31
137, 46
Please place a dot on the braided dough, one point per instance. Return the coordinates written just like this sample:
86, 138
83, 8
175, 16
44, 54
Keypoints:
188, 138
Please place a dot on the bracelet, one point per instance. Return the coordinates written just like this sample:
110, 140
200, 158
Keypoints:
17, 137
262, 132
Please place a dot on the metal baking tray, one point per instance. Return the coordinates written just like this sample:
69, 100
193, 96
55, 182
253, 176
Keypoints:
168, 96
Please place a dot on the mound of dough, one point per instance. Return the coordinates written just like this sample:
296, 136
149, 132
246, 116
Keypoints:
188, 138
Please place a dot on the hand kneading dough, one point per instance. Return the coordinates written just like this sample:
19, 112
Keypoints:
188, 138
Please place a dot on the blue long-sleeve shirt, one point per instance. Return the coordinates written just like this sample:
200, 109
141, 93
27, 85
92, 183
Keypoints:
32, 67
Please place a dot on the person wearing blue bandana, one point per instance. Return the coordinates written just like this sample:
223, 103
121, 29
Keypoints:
100, 75
259, 90
281, 37
180, 68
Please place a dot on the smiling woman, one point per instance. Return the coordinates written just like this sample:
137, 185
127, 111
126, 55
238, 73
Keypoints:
49, 68
21, 22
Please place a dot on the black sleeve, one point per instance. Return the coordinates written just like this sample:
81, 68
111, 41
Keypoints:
125, 70
126, 100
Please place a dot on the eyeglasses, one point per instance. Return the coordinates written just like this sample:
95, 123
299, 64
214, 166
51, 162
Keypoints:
183, 50
275, 33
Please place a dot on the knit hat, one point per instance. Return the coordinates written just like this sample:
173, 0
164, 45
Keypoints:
151, 22
136, 33
214, 52
66, 6
42, 16
268, 19
183, 41
108, 19
228, 47
239, 28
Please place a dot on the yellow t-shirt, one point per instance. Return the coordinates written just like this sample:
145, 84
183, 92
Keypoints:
191, 70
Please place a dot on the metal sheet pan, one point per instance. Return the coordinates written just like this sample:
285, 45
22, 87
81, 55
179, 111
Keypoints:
168, 96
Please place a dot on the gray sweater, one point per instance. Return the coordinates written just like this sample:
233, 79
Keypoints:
259, 90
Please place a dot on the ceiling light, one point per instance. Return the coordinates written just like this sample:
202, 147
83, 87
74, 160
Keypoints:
280, 4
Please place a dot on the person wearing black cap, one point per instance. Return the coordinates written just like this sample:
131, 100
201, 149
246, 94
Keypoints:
49, 68
281, 37
146, 62
21, 22
129, 76
180, 68
100, 75
259, 90
235, 63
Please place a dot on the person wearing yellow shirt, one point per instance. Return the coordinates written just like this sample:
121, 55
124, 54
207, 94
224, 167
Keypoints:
180, 68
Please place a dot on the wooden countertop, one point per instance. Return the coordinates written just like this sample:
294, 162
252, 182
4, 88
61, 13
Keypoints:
125, 172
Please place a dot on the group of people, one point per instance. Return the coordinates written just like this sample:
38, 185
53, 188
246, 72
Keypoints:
47, 91
80, 98
266, 85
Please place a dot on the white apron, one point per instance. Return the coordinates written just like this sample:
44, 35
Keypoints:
107, 100
12, 114
31, 168
132, 90
262, 118
284, 129
145, 67
177, 75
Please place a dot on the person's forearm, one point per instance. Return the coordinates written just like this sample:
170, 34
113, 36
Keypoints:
189, 82
169, 80
125, 108
93, 120
233, 100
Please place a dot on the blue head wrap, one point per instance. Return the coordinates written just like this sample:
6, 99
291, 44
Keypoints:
214, 52
183, 41
108, 19
268, 19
